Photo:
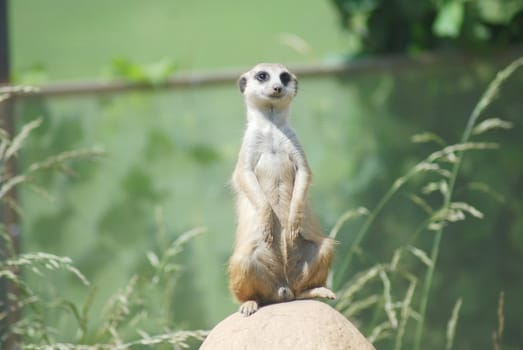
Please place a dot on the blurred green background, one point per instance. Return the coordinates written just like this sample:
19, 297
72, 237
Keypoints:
170, 153
80, 40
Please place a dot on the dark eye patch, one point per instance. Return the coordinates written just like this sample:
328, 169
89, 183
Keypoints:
262, 76
242, 83
285, 78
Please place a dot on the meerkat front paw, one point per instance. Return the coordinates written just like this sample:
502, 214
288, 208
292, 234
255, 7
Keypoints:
249, 307
267, 234
294, 230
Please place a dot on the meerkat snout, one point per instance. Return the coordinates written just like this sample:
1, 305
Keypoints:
277, 88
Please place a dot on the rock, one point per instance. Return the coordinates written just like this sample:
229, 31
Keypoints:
303, 325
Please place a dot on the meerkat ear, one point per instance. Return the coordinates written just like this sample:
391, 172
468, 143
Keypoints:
295, 84
242, 83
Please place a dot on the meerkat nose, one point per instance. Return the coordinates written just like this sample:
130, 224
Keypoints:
277, 88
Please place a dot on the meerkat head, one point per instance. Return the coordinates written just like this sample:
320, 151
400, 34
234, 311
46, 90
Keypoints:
268, 85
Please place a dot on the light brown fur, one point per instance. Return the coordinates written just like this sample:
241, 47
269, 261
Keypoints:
280, 253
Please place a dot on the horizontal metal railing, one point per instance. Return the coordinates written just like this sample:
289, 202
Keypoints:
193, 79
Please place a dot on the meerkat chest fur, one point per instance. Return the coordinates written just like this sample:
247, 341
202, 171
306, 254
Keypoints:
275, 169
270, 147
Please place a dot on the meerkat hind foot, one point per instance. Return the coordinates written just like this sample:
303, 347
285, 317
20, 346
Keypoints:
320, 292
249, 307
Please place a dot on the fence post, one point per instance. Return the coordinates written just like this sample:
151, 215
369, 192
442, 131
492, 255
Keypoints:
9, 312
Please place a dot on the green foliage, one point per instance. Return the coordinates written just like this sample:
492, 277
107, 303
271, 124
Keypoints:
394, 26
197, 37
139, 315
33, 76
154, 73
355, 132
386, 295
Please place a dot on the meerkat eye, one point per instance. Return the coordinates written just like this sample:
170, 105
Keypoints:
262, 76
285, 78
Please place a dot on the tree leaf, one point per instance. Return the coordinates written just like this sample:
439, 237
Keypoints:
449, 20
499, 12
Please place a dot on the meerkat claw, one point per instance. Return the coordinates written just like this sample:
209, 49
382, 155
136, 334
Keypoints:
293, 234
267, 236
320, 292
248, 308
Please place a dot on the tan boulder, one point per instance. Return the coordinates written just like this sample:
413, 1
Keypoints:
300, 325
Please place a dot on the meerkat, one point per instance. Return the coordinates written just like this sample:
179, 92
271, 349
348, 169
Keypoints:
280, 253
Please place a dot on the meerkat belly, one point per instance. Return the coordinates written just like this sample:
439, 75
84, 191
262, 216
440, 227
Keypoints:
275, 172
